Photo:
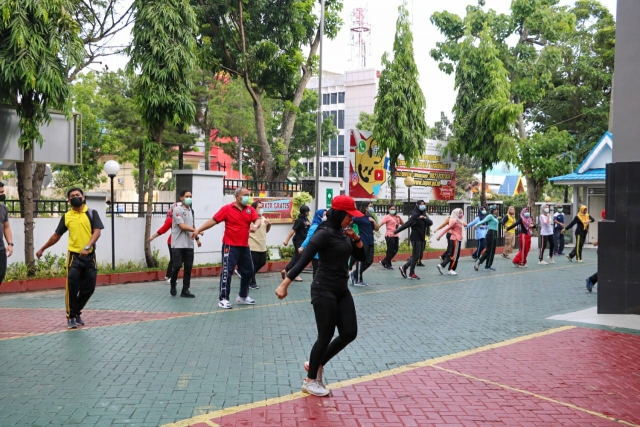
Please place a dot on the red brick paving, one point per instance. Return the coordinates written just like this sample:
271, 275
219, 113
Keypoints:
591, 369
44, 321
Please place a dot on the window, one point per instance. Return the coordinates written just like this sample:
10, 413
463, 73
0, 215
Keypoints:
325, 169
334, 113
334, 147
325, 152
325, 115
341, 169
334, 169
340, 119
340, 145
310, 168
325, 99
340, 97
334, 98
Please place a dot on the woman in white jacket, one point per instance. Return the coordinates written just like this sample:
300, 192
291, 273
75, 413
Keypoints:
546, 232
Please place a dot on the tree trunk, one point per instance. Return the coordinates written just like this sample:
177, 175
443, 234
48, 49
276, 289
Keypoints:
141, 178
392, 180
148, 254
483, 186
534, 191
207, 150
180, 157
37, 180
25, 194
263, 142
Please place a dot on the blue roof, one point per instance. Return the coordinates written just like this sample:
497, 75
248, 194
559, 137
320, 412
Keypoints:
509, 185
590, 175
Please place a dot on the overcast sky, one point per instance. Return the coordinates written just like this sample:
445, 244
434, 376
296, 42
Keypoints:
438, 88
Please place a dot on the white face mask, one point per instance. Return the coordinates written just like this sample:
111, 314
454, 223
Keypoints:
260, 212
546, 210
324, 218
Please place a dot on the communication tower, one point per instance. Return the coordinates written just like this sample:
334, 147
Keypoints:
360, 37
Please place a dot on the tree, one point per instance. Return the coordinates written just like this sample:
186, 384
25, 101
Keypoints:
465, 181
38, 43
270, 63
442, 130
367, 121
484, 116
206, 88
163, 48
400, 128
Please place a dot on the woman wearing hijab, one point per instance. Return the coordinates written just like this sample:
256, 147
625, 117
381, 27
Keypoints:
419, 222
509, 236
546, 232
334, 241
524, 229
481, 232
367, 225
455, 242
581, 221
258, 244
391, 221
492, 221
318, 218
299, 233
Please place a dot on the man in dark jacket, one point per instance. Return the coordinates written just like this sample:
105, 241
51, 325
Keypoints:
419, 222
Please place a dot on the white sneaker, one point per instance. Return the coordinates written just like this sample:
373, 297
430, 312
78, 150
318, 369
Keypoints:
168, 280
225, 304
246, 300
439, 268
319, 373
579, 260
542, 263
552, 261
236, 272
314, 387
452, 273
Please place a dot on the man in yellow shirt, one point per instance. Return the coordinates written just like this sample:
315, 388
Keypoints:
84, 227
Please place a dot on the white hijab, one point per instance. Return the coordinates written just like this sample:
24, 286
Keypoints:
454, 215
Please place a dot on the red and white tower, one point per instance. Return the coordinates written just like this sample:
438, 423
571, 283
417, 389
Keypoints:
360, 37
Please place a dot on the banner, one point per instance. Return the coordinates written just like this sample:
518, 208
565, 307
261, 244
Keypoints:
367, 166
277, 210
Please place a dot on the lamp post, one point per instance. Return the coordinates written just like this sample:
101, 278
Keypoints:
319, 124
409, 182
111, 168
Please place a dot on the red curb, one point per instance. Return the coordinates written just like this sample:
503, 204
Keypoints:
157, 275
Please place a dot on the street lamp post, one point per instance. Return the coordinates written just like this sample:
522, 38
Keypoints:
319, 124
409, 182
111, 168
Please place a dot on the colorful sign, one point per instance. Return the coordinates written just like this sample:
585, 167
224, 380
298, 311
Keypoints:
277, 210
367, 166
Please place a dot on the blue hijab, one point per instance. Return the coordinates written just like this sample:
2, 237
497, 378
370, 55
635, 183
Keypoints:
317, 218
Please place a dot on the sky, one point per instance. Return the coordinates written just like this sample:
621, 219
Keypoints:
437, 87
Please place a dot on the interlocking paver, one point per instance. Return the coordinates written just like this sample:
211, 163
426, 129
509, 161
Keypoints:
178, 368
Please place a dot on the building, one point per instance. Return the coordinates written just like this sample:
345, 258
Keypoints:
344, 96
512, 185
588, 181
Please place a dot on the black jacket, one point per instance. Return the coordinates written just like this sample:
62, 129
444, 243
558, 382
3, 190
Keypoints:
419, 222
579, 225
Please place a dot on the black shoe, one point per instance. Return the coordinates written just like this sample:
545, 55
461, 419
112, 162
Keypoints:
186, 294
254, 286
71, 324
403, 271
419, 264
79, 320
173, 291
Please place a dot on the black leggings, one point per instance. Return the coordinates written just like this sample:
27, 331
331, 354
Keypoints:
552, 245
296, 256
594, 278
392, 249
362, 266
454, 255
330, 313
490, 251
416, 252
577, 250
446, 253
169, 268
259, 260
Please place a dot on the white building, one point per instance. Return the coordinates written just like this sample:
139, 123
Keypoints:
344, 96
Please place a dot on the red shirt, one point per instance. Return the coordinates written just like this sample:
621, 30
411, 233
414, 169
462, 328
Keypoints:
236, 232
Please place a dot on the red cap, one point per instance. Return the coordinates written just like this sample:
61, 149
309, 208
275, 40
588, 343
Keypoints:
346, 203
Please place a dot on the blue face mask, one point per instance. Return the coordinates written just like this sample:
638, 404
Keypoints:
188, 201
484, 212
245, 200
370, 209
527, 214
422, 207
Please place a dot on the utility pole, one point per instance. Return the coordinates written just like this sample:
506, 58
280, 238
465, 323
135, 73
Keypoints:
319, 127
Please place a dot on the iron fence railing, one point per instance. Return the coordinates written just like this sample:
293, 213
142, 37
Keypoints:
137, 209
40, 207
269, 188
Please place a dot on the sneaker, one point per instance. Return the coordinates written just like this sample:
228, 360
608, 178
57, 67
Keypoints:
474, 257
314, 387
419, 264
439, 268
414, 277
569, 258
223, 303
168, 280
476, 265
361, 284
580, 260
489, 269
452, 273
552, 261
79, 321
319, 374
390, 267
254, 286
382, 264
236, 272
71, 324
173, 291
589, 284
245, 301
542, 263
441, 260
186, 294
403, 271
352, 278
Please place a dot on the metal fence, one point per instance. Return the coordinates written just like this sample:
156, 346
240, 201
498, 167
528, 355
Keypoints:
135, 209
41, 208
406, 208
269, 188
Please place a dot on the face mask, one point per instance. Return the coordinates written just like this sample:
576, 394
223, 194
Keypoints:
324, 218
245, 200
188, 201
422, 207
370, 210
76, 202
527, 214
560, 210
460, 216
546, 210
484, 212
260, 211
3, 197
392, 212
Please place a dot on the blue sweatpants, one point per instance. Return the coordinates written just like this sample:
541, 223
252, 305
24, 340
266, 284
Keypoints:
233, 256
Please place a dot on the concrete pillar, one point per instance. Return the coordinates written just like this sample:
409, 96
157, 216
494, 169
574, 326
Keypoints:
328, 185
207, 188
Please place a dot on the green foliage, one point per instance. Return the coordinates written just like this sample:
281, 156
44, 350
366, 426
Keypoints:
38, 43
442, 130
465, 180
303, 198
519, 200
367, 121
400, 127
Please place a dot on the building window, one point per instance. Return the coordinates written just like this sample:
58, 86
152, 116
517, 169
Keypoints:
334, 147
334, 113
325, 152
325, 99
334, 169
340, 97
340, 145
325, 169
340, 119
334, 98
325, 115
341, 169
310, 168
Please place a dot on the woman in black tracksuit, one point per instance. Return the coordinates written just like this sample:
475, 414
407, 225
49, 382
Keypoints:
581, 221
419, 223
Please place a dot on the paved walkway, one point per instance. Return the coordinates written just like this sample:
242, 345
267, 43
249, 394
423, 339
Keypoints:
476, 349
